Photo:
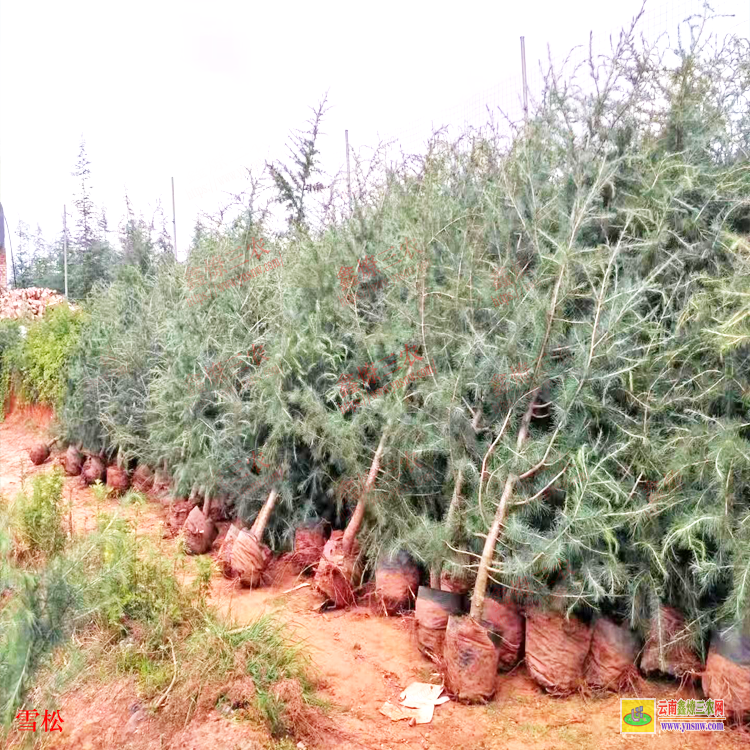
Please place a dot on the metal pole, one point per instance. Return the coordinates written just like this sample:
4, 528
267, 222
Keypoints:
348, 171
174, 220
525, 86
65, 247
3, 226
4, 265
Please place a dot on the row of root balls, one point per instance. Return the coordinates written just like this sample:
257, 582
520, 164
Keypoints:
89, 467
562, 654
565, 654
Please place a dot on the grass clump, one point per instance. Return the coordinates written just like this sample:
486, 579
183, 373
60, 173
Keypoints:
37, 517
114, 603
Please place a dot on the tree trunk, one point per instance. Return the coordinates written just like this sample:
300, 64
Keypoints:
480, 587
265, 513
452, 525
355, 523
435, 576
454, 508
207, 504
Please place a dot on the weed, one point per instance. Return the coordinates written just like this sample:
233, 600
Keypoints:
100, 490
121, 592
37, 520
134, 497
573, 735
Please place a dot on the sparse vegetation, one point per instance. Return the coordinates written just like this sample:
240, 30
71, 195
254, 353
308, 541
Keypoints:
119, 596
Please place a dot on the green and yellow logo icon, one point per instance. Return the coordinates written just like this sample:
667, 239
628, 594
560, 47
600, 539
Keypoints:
637, 715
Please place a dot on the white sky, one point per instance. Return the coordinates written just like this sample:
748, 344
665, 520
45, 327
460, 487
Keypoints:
194, 90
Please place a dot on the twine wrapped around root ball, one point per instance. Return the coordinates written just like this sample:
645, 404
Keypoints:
308, 547
39, 453
396, 584
225, 552
250, 558
93, 470
433, 608
72, 461
460, 583
117, 480
200, 532
729, 682
556, 650
506, 624
143, 478
727, 672
470, 660
667, 649
610, 664
337, 572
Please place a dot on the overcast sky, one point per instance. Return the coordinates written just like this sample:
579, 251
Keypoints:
197, 90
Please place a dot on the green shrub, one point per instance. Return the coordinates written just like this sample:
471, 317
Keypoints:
36, 366
10, 336
37, 519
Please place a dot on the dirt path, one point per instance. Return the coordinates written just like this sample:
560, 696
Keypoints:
363, 660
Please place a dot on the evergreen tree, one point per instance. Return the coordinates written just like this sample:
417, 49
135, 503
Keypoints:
84, 204
294, 181
135, 240
91, 258
24, 256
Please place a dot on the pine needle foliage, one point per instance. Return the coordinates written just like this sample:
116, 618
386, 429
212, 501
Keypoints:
619, 217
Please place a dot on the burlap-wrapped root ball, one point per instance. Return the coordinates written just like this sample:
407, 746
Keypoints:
456, 583
396, 583
506, 624
611, 661
162, 482
39, 453
199, 532
93, 470
72, 461
668, 648
432, 611
143, 478
337, 573
225, 552
250, 558
556, 650
309, 542
727, 672
117, 480
470, 660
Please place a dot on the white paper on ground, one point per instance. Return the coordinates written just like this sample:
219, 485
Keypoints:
418, 703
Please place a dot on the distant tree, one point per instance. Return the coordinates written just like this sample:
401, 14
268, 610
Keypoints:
24, 256
295, 180
91, 258
163, 243
84, 203
135, 238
